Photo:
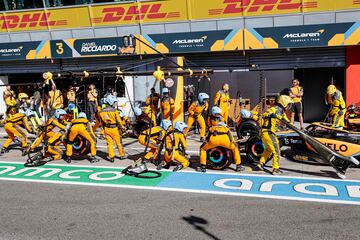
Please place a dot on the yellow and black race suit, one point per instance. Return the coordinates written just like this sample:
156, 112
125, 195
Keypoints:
153, 137
167, 107
175, 147
53, 146
111, 122
51, 124
271, 121
195, 114
219, 136
13, 129
80, 127
338, 110
222, 100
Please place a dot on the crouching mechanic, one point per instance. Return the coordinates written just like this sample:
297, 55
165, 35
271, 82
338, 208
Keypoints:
219, 136
111, 122
13, 129
175, 147
80, 127
338, 107
271, 121
196, 110
153, 138
56, 121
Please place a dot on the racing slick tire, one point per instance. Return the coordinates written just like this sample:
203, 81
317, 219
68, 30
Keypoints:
218, 158
247, 128
80, 146
254, 148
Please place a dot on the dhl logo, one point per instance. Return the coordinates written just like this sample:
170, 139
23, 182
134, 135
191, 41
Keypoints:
253, 6
29, 20
131, 13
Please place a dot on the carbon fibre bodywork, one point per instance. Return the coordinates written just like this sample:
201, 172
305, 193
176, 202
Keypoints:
346, 143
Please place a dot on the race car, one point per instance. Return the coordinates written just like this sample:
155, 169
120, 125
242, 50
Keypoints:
346, 143
352, 117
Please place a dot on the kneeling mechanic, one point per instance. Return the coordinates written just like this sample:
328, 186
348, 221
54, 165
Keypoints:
219, 136
80, 127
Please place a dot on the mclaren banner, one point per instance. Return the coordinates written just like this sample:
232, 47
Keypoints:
163, 11
193, 42
325, 35
303, 36
25, 50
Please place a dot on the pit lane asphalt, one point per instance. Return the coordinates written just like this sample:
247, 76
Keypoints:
48, 211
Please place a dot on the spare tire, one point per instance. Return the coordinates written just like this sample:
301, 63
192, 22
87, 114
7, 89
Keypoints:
80, 146
247, 128
218, 158
254, 148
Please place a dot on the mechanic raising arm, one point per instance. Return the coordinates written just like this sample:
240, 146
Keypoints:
196, 110
219, 136
270, 125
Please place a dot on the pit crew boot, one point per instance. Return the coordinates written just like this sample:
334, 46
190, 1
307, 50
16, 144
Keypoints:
178, 168
202, 168
159, 166
4, 150
93, 159
112, 160
24, 151
239, 168
67, 159
276, 171
260, 167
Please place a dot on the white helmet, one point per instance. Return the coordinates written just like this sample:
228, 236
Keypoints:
82, 115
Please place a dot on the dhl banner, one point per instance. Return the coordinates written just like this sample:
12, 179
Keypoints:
159, 12
323, 35
95, 15
205, 9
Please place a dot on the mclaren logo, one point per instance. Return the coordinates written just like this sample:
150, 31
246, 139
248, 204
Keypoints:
304, 35
190, 41
11, 50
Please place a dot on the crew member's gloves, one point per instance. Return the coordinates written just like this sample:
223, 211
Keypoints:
273, 115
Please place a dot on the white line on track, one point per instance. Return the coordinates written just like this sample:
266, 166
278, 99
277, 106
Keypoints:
185, 190
208, 171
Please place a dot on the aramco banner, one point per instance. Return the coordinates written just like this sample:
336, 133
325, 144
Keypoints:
163, 11
323, 35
